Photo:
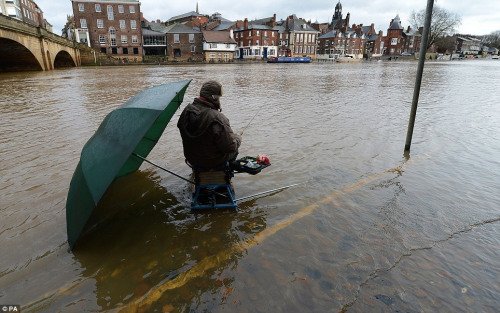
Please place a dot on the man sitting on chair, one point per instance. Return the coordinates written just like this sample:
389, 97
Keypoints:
207, 138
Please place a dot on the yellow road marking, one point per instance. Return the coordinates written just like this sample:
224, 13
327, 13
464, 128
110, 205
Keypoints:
143, 303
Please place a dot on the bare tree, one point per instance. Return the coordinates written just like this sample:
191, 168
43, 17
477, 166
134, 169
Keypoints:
443, 23
493, 39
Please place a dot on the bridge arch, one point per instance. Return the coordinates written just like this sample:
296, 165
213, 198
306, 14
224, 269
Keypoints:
63, 59
14, 56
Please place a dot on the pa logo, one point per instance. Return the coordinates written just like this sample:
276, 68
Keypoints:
10, 308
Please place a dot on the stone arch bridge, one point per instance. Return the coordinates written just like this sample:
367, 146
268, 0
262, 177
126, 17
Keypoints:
24, 47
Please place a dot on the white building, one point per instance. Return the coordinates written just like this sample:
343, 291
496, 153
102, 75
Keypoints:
11, 8
218, 46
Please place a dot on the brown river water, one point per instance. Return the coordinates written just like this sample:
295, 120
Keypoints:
368, 230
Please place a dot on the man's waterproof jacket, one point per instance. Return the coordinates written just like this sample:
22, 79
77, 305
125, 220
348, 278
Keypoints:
207, 137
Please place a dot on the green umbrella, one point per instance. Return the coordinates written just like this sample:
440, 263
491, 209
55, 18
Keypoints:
131, 129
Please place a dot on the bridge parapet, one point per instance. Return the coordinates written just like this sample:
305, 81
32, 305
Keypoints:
49, 49
12, 24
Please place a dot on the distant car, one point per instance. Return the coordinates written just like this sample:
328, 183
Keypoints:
406, 54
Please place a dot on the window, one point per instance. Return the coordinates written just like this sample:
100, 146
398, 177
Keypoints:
103, 50
97, 7
121, 9
83, 23
228, 46
394, 41
133, 24
193, 48
111, 15
134, 39
114, 51
112, 31
256, 42
81, 7
272, 34
176, 38
213, 46
265, 34
258, 33
125, 50
102, 39
136, 50
124, 39
122, 24
191, 38
113, 41
100, 23
131, 9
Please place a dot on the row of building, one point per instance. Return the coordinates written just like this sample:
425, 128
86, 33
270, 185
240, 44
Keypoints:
25, 10
117, 27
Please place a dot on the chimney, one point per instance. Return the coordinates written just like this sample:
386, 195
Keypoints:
158, 21
245, 23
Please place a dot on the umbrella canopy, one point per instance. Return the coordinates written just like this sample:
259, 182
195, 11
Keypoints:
133, 128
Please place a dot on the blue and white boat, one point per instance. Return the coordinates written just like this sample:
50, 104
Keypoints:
289, 60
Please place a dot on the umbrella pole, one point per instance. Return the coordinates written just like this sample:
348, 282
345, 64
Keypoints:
158, 166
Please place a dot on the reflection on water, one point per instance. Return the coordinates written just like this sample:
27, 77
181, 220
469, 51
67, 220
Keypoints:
169, 237
369, 229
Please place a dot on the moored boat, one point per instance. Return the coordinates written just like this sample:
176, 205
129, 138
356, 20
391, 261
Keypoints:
289, 60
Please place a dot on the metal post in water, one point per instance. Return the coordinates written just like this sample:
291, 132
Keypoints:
420, 70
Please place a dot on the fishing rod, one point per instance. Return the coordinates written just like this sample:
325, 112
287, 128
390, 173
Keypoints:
244, 128
168, 171
266, 192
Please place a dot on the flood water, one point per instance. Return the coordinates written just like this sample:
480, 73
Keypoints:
368, 230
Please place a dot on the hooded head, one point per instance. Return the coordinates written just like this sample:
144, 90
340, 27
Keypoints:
212, 91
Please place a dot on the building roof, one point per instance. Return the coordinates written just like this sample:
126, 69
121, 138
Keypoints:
149, 32
396, 23
156, 27
330, 34
224, 26
211, 36
181, 29
189, 14
298, 24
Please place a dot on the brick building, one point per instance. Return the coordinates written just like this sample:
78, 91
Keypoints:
184, 43
110, 26
394, 41
256, 40
297, 37
31, 13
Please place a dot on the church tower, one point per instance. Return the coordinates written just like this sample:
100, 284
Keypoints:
337, 16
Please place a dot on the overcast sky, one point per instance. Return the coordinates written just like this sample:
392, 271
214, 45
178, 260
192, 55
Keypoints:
479, 17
